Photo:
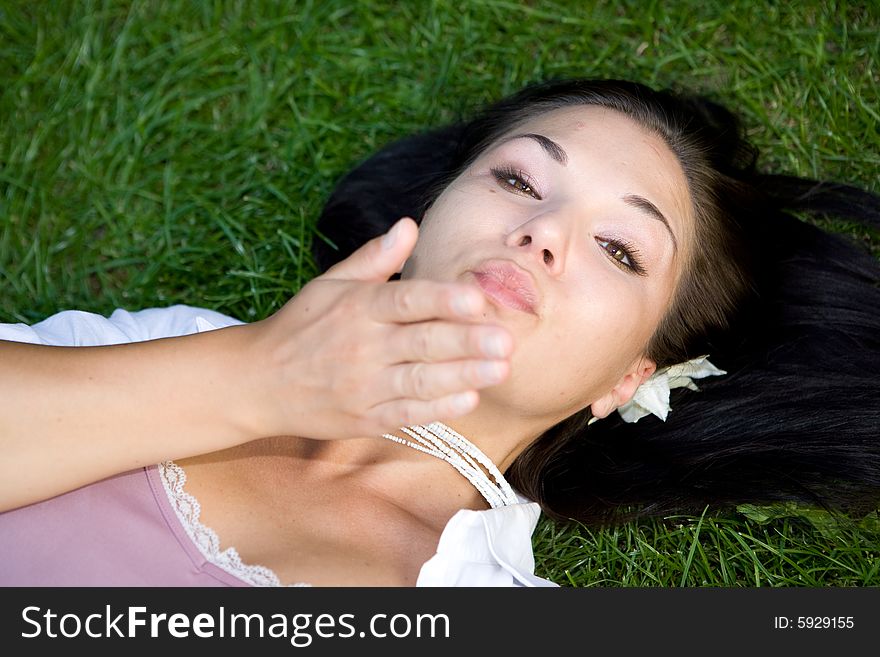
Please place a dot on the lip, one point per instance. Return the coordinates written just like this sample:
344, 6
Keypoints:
508, 285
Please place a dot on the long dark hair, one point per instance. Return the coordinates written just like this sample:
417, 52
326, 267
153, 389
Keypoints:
791, 312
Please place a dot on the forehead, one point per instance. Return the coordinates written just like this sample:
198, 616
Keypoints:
610, 147
604, 130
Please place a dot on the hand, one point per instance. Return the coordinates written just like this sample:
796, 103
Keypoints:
354, 355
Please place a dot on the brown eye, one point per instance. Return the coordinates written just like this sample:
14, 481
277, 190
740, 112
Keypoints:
623, 254
520, 185
515, 182
618, 254
616, 251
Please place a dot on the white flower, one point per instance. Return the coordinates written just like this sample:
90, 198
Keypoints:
653, 395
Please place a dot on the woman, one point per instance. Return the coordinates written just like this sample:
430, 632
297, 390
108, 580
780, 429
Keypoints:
622, 223
789, 311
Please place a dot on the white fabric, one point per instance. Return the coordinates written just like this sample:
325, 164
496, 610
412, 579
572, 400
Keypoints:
476, 548
486, 548
652, 397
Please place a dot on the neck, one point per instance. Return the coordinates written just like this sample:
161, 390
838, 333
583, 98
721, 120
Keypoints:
441, 441
398, 473
500, 437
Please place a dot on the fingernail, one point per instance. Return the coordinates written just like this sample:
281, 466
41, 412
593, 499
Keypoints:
390, 237
491, 372
493, 346
464, 305
462, 402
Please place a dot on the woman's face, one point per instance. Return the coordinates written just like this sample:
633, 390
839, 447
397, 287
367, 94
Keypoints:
575, 225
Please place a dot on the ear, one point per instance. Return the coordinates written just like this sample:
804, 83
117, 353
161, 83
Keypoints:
625, 388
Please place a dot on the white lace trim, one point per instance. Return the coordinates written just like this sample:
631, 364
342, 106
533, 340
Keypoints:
206, 540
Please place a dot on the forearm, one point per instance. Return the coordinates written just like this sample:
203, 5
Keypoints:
73, 415
349, 356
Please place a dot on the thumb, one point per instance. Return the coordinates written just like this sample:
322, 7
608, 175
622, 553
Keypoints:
381, 257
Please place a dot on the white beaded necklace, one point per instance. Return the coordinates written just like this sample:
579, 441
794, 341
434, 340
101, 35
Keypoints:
446, 444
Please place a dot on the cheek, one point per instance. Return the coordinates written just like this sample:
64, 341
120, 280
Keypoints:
445, 218
582, 352
449, 234
429, 257
424, 258
593, 347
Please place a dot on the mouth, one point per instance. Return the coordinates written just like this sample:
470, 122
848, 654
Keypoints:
508, 285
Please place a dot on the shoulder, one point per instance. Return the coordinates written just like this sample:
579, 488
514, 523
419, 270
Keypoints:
486, 548
76, 328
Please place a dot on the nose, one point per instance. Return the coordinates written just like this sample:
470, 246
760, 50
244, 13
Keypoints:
544, 238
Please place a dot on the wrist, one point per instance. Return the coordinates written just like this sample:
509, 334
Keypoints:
233, 382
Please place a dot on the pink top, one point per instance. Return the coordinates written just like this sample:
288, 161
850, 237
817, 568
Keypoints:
141, 528
121, 531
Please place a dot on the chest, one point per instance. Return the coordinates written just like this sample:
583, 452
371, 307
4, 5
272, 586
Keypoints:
307, 529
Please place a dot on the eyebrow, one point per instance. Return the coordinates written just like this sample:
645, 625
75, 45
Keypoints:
553, 149
641, 203
557, 153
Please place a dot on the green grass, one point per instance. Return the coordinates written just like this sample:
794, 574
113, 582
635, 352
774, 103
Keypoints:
714, 550
154, 153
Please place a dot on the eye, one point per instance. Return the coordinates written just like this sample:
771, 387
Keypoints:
622, 253
515, 181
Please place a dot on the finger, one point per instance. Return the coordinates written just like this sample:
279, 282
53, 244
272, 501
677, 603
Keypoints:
406, 412
426, 381
434, 341
381, 257
420, 300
